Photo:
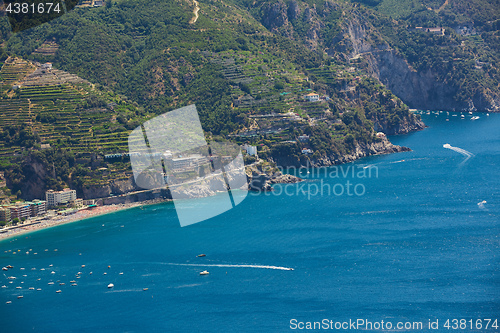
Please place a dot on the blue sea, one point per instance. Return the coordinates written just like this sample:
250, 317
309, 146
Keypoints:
417, 240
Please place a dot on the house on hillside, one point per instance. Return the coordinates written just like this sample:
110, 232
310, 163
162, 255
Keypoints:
47, 66
437, 30
312, 97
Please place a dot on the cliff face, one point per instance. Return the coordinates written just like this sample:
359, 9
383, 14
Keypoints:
420, 90
33, 186
360, 39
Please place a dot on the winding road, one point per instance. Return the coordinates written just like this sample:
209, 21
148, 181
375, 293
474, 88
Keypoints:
195, 12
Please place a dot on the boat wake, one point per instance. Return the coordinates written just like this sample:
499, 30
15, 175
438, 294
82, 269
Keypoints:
464, 152
226, 265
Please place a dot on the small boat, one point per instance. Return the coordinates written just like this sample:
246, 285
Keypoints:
50, 283
121, 273
204, 273
19, 296
5, 269
8, 302
144, 289
42, 269
201, 255
52, 272
4, 286
90, 273
11, 278
72, 281
9, 266
74, 284
31, 288
51, 265
62, 284
111, 285
19, 287
83, 266
59, 291
488, 114
39, 289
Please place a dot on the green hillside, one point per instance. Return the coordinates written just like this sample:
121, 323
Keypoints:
246, 66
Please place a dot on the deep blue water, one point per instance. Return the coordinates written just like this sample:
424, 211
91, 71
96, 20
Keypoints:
415, 246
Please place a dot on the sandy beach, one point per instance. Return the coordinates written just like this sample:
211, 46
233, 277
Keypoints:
34, 224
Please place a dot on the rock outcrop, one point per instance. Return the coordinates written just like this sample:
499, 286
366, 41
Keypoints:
381, 147
261, 175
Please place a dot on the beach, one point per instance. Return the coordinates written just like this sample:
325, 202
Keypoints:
38, 224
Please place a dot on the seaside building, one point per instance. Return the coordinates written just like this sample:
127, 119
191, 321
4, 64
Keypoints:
20, 210
188, 162
76, 203
55, 198
4, 214
37, 207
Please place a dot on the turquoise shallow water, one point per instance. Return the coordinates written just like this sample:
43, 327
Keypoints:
415, 246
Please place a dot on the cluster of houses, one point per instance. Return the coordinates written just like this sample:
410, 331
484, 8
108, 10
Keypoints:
22, 210
35, 208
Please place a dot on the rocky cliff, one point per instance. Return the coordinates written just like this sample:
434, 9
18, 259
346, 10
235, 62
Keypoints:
420, 90
382, 147
359, 40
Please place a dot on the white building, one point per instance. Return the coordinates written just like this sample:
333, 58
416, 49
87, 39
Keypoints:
55, 198
251, 150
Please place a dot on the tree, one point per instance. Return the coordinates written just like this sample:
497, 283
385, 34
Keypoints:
15, 221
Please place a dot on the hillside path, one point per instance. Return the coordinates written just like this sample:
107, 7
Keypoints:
195, 12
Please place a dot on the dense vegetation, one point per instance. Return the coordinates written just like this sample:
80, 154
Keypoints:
245, 64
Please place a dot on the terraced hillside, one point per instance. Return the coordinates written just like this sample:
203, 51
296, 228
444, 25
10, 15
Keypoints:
70, 115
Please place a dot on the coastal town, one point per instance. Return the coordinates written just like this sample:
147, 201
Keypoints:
25, 215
